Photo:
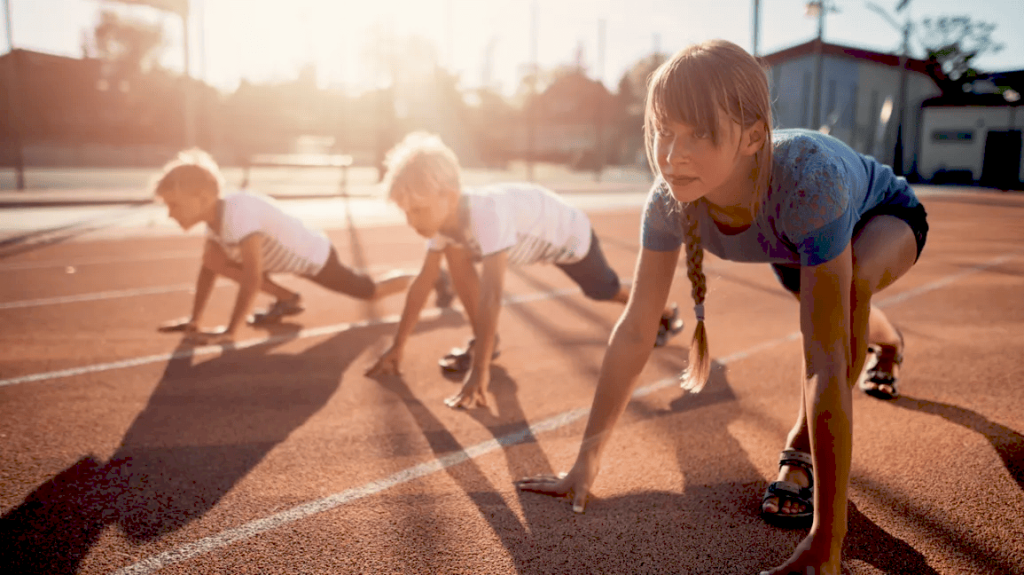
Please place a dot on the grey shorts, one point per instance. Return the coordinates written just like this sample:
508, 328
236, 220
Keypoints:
593, 274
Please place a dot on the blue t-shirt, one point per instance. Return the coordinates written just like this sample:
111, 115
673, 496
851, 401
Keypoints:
820, 189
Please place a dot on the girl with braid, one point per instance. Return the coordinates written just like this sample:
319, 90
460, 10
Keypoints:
836, 226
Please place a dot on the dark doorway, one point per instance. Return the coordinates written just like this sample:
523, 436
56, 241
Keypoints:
1001, 167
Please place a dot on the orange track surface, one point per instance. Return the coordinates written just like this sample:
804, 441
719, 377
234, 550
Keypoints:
281, 457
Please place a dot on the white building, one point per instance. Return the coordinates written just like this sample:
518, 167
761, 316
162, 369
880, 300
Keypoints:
975, 137
859, 98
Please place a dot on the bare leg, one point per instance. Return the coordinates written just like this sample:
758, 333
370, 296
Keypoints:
883, 251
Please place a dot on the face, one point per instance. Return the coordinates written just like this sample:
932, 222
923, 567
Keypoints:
187, 209
427, 217
694, 166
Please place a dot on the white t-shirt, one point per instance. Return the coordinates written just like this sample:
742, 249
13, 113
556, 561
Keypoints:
288, 246
533, 223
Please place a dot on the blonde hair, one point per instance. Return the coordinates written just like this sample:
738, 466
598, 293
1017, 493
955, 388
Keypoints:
420, 168
193, 170
691, 88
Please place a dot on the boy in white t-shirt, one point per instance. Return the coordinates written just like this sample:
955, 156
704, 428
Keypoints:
496, 225
250, 237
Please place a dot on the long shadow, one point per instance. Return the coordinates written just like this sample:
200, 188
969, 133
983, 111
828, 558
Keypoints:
721, 507
38, 239
1009, 444
206, 426
522, 452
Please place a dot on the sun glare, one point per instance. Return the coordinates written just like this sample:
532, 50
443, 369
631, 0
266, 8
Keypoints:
262, 40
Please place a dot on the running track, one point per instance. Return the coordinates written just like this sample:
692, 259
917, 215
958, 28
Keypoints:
123, 451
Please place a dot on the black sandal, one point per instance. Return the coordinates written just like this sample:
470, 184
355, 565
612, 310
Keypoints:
460, 359
793, 492
887, 360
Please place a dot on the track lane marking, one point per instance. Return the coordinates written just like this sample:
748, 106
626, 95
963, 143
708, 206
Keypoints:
297, 513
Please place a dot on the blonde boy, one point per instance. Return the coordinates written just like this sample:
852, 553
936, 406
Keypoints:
496, 225
248, 238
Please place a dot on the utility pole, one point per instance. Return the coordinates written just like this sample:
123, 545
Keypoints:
531, 127
600, 108
13, 109
818, 65
756, 24
901, 97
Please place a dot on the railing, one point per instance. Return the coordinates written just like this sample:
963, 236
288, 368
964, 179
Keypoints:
341, 161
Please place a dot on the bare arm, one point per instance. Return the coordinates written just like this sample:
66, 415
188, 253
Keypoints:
485, 325
204, 287
825, 322
630, 346
464, 279
415, 299
249, 282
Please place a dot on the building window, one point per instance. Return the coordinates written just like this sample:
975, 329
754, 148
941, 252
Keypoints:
952, 136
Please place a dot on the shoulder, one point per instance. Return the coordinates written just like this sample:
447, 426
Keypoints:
811, 180
662, 228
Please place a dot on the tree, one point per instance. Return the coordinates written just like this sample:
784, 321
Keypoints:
130, 45
954, 41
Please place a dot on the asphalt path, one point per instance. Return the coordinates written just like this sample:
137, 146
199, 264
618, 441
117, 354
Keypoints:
123, 450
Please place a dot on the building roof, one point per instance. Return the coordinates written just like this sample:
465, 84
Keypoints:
810, 49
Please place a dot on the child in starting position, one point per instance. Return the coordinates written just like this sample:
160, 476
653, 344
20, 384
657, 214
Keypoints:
835, 225
496, 225
248, 238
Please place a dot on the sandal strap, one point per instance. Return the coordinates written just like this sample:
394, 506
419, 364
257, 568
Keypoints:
789, 490
796, 458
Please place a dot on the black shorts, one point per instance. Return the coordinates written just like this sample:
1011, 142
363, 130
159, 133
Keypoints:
336, 277
916, 217
593, 274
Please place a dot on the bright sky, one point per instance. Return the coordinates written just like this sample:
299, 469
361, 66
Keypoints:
269, 39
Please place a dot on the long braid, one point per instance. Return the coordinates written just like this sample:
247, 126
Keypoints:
699, 369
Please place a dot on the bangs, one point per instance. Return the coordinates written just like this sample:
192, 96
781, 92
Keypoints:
689, 94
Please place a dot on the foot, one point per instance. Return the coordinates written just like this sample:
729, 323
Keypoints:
281, 308
815, 555
670, 325
882, 370
459, 360
789, 500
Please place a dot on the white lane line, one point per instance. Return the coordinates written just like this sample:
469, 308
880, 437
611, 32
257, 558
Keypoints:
301, 334
115, 294
19, 266
257, 526
95, 296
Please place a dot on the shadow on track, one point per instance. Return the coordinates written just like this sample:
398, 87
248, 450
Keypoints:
1008, 443
510, 428
37, 239
206, 426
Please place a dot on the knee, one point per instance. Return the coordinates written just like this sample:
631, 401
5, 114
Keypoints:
603, 291
364, 288
214, 257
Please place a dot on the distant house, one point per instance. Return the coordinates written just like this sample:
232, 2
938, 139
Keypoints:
858, 99
80, 111
574, 116
975, 135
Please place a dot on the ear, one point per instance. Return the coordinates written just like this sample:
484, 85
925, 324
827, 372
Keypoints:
754, 139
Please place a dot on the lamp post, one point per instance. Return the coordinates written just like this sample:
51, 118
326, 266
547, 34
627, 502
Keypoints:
818, 8
13, 109
901, 96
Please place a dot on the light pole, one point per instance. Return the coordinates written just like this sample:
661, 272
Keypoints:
901, 97
818, 8
13, 109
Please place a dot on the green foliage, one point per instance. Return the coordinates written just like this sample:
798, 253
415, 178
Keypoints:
955, 41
